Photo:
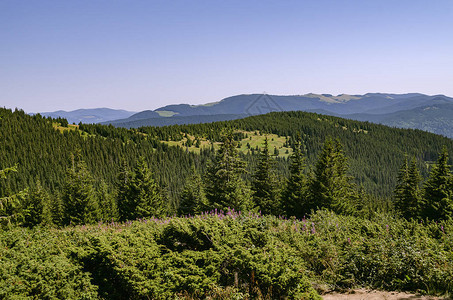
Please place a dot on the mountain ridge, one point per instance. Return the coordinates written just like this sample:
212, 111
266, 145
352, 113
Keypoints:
90, 115
384, 108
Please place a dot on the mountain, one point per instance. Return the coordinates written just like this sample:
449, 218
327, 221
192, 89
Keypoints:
412, 110
436, 118
400, 110
95, 115
374, 103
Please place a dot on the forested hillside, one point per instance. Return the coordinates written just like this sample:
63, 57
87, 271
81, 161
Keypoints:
375, 151
43, 153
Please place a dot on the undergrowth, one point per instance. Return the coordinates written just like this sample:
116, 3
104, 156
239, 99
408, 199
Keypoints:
226, 256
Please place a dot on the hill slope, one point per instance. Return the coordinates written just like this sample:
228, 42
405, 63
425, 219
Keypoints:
42, 150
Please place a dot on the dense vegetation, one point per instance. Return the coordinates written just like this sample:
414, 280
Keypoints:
42, 153
335, 232
226, 256
375, 151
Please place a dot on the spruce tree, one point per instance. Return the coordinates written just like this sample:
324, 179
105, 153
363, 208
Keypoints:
107, 204
56, 209
264, 184
10, 205
79, 199
329, 184
295, 194
123, 201
225, 187
438, 190
193, 197
138, 195
407, 192
36, 207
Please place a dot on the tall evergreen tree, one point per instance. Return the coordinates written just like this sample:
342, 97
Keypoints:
123, 197
107, 203
139, 195
264, 184
438, 190
225, 187
329, 185
79, 199
56, 209
407, 192
294, 197
36, 207
193, 197
10, 205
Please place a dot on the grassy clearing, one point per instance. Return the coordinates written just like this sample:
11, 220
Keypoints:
254, 140
71, 127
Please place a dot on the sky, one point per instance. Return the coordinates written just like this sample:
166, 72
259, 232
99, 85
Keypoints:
138, 55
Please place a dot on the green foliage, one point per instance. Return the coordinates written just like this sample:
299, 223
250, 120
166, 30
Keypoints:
34, 264
225, 187
330, 186
375, 151
6, 171
42, 152
193, 196
79, 201
438, 190
36, 207
240, 255
265, 185
295, 201
139, 195
408, 198
10, 205
107, 203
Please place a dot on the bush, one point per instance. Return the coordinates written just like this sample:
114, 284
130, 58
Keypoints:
232, 256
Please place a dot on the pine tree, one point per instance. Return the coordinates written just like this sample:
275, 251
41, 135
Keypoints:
225, 187
79, 202
295, 193
264, 184
193, 197
407, 192
438, 190
139, 195
329, 185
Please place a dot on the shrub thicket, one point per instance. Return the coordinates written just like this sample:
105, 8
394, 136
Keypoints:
226, 255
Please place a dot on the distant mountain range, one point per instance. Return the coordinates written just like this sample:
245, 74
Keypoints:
418, 111
95, 115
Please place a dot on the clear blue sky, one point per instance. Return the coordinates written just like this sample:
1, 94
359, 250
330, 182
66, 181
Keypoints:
136, 55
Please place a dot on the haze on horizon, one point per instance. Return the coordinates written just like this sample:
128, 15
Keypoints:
138, 55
